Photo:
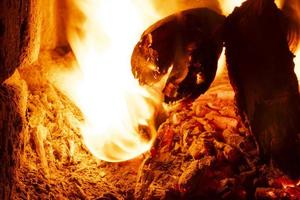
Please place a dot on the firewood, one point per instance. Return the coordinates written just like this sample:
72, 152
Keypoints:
189, 43
261, 70
13, 98
19, 41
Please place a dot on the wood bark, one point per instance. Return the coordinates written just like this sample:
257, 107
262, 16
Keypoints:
261, 70
20, 25
13, 95
53, 23
19, 45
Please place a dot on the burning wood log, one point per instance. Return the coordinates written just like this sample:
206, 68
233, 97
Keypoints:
189, 43
261, 70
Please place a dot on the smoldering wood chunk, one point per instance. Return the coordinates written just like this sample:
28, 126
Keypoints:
277, 193
261, 70
190, 43
19, 34
278, 186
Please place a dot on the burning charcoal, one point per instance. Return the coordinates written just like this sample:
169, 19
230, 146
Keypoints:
189, 43
197, 149
231, 154
228, 111
201, 110
222, 122
270, 193
229, 189
193, 174
233, 138
261, 69
144, 132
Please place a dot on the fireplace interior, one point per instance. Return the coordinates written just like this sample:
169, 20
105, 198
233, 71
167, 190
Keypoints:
189, 147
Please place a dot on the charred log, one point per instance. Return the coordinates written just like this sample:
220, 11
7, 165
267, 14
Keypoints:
190, 43
261, 70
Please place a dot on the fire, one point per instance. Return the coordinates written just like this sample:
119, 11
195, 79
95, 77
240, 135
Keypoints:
227, 6
115, 107
297, 63
102, 36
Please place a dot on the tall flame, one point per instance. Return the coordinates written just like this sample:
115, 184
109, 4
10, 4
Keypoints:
113, 104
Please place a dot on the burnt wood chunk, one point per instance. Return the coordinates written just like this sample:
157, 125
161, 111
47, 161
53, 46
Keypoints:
261, 70
189, 43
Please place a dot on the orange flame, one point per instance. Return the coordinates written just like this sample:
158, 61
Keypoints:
113, 103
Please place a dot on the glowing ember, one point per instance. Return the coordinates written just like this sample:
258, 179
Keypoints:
118, 112
271, 194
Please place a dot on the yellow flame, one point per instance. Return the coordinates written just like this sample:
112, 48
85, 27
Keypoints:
228, 6
113, 103
297, 64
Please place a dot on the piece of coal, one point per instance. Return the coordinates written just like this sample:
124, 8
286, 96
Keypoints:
261, 70
189, 42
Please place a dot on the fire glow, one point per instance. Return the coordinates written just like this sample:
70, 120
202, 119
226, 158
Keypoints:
111, 100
